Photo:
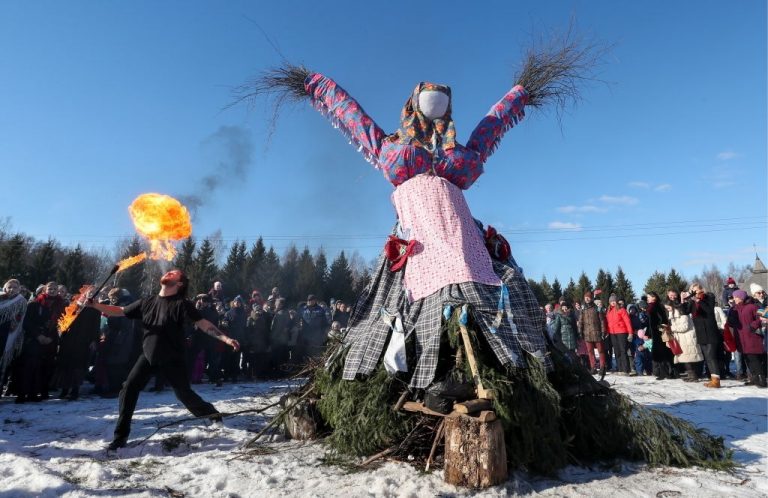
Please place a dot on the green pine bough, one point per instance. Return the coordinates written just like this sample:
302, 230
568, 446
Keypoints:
550, 420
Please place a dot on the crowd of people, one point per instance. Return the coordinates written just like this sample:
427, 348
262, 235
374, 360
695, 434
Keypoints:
99, 350
684, 335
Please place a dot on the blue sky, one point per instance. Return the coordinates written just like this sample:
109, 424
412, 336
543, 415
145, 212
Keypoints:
662, 165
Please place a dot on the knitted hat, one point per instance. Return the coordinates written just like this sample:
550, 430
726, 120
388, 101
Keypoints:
613, 298
755, 288
730, 281
740, 294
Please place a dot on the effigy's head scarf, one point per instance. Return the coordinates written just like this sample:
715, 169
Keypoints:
418, 130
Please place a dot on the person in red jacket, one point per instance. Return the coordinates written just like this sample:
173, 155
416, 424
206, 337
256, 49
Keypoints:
619, 328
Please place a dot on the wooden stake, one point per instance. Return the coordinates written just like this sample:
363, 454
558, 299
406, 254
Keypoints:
438, 436
482, 393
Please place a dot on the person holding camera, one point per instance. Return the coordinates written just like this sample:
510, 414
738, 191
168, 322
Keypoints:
700, 304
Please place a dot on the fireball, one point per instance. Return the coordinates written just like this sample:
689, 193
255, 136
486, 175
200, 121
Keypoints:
161, 219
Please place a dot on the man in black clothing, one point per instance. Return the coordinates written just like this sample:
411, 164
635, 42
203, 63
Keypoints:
162, 317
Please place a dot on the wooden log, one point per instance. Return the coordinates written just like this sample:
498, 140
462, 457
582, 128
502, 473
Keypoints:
302, 421
473, 406
416, 407
475, 454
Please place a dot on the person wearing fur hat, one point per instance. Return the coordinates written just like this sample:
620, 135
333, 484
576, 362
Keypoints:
758, 294
745, 323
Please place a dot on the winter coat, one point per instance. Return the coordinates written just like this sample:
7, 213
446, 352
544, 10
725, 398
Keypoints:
617, 321
683, 331
281, 331
257, 336
234, 322
564, 331
315, 324
744, 322
591, 323
727, 293
657, 316
704, 319
74, 346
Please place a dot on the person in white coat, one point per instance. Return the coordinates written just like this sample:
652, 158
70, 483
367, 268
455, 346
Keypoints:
682, 329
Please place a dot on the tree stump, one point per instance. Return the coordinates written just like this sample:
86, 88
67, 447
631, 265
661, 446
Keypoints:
475, 454
303, 421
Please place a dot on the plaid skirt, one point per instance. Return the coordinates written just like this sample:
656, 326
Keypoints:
368, 332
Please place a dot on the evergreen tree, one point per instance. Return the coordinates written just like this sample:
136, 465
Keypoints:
623, 287
205, 269
604, 282
185, 258
253, 263
570, 292
582, 287
71, 273
131, 279
537, 291
676, 281
42, 265
362, 282
289, 274
269, 274
321, 273
233, 273
14, 252
306, 275
547, 291
340, 279
656, 283
557, 290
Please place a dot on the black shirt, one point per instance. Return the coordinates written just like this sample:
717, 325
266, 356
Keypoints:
162, 319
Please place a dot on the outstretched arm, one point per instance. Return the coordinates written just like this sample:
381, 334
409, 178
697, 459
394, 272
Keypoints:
213, 331
505, 114
346, 114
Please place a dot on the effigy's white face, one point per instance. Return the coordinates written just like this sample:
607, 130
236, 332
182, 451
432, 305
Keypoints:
433, 104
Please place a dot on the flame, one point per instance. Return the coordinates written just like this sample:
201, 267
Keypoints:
128, 262
72, 309
161, 219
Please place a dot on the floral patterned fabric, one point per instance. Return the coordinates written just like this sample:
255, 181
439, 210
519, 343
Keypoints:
418, 130
449, 246
460, 165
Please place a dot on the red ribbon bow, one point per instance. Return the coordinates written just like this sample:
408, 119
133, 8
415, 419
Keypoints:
398, 251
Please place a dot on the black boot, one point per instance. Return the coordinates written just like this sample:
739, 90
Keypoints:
118, 442
63, 394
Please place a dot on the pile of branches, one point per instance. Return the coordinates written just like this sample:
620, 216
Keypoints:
549, 420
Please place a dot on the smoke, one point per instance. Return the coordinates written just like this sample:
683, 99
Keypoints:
229, 153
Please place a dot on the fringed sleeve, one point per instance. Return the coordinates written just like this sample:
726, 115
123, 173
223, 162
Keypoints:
346, 114
503, 115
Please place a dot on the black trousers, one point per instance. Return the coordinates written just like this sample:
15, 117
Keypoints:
711, 356
619, 343
757, 366
175, 374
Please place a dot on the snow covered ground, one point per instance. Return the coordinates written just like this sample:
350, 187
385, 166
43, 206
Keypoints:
55, 448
